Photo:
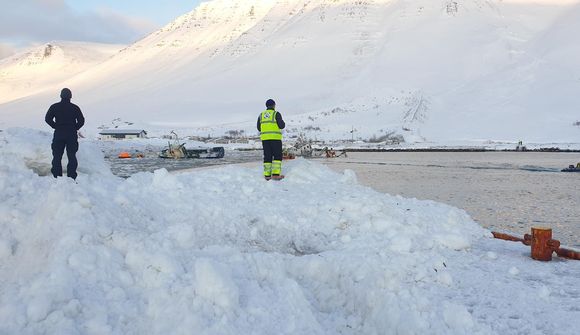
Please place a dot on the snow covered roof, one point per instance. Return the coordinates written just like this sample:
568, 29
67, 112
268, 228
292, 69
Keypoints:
122, 132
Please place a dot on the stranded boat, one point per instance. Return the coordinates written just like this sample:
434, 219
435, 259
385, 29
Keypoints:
178, 151
572, 168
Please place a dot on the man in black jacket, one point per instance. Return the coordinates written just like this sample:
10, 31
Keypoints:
66, 119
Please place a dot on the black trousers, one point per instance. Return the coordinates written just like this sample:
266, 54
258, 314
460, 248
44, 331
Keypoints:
71, 145
272, 150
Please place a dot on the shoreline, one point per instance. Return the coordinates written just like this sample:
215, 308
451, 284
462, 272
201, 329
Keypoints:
546, 150
464, 150
380, 178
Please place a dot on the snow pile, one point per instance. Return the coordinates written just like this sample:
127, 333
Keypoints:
32, 148
224, 252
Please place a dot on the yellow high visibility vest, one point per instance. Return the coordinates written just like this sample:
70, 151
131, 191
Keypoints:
269, 127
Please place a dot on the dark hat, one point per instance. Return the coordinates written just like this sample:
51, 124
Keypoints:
66, 94
270, 103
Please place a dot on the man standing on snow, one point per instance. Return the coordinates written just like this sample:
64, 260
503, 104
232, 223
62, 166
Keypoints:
270, 125
66, 119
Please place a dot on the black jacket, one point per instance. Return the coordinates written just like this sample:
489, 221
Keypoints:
65, 118
279, 121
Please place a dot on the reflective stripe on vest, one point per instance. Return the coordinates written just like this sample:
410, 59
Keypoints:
269, 126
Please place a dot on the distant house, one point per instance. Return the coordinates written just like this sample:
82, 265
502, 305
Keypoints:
120, 134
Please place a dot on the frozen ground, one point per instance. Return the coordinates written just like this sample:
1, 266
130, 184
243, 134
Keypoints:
505, 191
221, 251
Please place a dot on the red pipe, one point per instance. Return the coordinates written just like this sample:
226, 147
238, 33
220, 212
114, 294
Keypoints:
540, 249
568, 253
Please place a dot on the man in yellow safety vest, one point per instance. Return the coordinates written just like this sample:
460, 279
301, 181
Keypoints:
270, 125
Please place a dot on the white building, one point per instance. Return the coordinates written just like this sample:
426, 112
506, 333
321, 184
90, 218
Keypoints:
120, 134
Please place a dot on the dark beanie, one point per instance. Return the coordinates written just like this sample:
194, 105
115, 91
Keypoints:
65, 94
270, 103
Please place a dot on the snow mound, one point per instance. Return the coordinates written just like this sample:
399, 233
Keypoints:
223, 251
31, 148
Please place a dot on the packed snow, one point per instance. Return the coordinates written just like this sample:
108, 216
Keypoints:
222, 251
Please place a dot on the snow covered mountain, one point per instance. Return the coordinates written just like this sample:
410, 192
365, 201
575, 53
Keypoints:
31, 71
427, 70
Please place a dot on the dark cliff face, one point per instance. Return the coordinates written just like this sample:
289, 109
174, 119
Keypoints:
48, 50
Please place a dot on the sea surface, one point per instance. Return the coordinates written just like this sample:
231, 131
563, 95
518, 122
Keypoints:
503, 191
151, 162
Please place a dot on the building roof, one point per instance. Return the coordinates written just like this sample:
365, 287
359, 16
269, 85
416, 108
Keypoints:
122, 132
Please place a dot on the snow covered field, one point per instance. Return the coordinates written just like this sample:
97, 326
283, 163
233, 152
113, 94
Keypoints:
222, 251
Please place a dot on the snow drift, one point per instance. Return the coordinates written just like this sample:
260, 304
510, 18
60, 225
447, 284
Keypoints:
222, 251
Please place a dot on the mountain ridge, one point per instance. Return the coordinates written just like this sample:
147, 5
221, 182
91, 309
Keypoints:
217, 63
32, 70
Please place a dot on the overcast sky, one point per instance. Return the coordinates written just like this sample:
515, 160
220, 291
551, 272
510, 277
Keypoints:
27, 22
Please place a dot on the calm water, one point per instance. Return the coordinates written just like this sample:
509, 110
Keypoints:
127, 167
503, 191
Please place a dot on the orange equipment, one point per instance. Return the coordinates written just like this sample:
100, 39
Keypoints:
542, 244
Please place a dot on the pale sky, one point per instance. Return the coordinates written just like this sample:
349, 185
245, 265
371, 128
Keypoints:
28, 22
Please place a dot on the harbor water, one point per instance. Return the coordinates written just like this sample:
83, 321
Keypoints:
503, 191
151, 162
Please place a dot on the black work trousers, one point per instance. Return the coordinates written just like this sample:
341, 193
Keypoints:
59, 144
272, 150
